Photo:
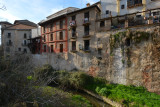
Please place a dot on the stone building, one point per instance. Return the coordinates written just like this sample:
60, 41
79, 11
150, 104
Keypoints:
14, 37
54, 32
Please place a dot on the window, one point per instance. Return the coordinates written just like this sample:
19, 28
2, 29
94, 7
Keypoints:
73, 18
155, 13
102, 24
99, 51
25, 50
44, 38
86, 30
44, 29
61, 36
25, 42
132, 3
61, 24
86, 45
86, 17
73, 45
10, 42
51, 48
51, 27
19, 49
107, 11
7, 49
61, 47
128, 42
44, 48
9, 35
25, 35
51, 37
138, 16
122, 6
73, 32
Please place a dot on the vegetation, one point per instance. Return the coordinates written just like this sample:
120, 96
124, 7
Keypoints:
126, 95
22, 85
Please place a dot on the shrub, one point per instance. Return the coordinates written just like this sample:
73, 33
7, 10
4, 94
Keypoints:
44, 72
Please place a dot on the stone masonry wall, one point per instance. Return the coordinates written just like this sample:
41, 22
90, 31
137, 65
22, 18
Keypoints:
137, 64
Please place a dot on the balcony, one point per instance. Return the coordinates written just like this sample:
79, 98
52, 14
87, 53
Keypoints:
86, 34
86, 22
24, 44
74, 36
133, 3
72, 23
9, 43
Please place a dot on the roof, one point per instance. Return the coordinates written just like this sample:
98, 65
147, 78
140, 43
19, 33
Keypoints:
92, 6
25, 22
5, 22
67, 11
58, 14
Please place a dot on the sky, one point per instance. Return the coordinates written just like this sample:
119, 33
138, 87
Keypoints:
36, 10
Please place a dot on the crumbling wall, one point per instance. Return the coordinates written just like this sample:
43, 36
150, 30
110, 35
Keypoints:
136, 62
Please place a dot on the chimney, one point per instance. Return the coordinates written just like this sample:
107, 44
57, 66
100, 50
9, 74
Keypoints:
88, 4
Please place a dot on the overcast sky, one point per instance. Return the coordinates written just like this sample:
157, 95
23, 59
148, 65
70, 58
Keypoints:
36, 10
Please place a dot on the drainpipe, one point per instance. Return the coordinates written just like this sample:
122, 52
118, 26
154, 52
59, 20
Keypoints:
144, 7
118, 7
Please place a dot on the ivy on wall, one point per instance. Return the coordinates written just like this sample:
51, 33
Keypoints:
125, 40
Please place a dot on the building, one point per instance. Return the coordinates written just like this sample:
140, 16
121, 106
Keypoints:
126, 13
34, 43
14, 37
54, 32
123, 7
82, 28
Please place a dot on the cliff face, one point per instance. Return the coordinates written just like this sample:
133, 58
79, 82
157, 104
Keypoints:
135, 58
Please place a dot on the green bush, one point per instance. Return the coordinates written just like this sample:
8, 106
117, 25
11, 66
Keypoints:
44, 72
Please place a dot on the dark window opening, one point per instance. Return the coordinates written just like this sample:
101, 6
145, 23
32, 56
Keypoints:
107, 11
131, 3
155, 13
7, 49
51, 38
51, 27
102, 24
61, 47
19, 49
138, 16
61, 36
10, 42
44, 48
25, 50
122, 6
25, 42
99, 51
73, 32
44, 29
9, 35
128, 42
86, 45
61, 24
73, 18
86, 17
73, 45
51, 48
44, 38
25, 35
86, 30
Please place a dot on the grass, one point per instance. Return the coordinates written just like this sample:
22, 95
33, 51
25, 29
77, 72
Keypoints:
68, 98
127, 95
